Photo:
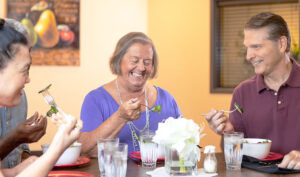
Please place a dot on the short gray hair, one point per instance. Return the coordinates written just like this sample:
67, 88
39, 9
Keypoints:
9, 38
122, 46
16, 25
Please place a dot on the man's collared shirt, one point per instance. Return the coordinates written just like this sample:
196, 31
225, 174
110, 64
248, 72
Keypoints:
270, 114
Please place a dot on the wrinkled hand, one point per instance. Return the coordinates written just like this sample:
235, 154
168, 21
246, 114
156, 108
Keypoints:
291, 160
130, 110
32, 129
218, 122
68, 130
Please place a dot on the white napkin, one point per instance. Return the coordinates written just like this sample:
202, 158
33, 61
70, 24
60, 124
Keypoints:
161, 172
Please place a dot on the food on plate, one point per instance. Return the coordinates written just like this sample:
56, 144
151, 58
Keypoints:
255, 147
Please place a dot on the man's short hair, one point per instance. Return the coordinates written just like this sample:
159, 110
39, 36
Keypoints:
275, 23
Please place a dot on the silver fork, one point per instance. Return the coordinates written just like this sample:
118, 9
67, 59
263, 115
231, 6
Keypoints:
228, 112
50, 100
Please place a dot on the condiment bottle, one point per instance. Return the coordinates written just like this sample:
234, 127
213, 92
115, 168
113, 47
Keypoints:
210, 160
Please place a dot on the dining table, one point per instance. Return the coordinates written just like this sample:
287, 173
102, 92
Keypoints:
135, 169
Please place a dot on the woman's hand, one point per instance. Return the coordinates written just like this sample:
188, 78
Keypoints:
68, 130
130, 110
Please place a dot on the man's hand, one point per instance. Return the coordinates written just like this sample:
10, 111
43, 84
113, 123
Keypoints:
32, 129
291, 160
218, 122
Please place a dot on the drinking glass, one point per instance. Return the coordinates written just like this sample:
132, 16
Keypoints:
120, 160
148, 150
109, 168
102, 144
233, 150
161, 151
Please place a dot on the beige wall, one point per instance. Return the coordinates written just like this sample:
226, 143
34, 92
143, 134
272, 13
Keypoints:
103, 22
180, 30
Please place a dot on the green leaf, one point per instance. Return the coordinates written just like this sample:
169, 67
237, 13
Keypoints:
46, 88
239, 108
52, 110
156, 108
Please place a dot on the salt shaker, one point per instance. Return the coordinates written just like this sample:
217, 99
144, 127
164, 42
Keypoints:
210, 160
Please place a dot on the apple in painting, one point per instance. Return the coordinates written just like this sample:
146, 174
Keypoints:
66, 35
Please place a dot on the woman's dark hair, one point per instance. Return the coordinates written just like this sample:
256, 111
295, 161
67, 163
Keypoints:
275, 23
8, 38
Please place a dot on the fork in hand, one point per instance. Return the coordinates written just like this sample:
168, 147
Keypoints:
50, 100
156, 108
228, 112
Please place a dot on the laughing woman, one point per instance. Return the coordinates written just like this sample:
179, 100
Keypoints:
121, 108
15, 63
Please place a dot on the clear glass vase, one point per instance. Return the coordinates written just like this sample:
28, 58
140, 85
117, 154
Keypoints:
177, 166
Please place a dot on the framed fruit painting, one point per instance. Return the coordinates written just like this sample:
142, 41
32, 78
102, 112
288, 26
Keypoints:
53, 27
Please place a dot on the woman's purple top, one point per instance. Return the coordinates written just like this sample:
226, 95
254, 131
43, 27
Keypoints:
99, 105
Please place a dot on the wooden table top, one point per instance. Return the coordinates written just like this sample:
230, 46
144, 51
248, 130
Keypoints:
135, 170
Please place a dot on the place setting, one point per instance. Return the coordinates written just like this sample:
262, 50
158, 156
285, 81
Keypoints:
70, 159
153, 150
252, 153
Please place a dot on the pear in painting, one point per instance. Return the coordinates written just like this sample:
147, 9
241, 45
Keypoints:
31, 32
47, 30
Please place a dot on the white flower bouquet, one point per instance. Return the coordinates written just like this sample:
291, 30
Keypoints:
182, 135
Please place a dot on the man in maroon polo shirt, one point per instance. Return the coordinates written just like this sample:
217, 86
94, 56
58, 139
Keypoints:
271, 99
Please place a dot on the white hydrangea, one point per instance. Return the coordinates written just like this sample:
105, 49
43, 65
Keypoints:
181, 134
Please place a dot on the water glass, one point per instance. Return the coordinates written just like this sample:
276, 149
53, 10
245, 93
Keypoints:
102, 144
233, 150
161, 151
148, 150
120, 160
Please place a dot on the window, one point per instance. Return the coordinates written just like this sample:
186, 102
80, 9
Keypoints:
228, 64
